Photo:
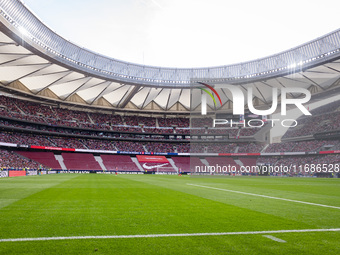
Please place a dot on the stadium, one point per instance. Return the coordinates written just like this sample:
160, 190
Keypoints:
100, 155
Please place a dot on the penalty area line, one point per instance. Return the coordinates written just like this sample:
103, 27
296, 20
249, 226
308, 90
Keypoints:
275, 238
167, 235
265, 196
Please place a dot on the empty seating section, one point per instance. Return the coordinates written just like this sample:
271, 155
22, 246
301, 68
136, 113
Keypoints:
47, 159
119, 163
248, 161
222, 161
195, 161
182, 163
80, 161
85, 161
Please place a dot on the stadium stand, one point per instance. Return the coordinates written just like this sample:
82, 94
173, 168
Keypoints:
119, 163
28, 123
324, 118
80, 161
11, 160
182, 163
55, 122
248, 161
47, 159
223, 161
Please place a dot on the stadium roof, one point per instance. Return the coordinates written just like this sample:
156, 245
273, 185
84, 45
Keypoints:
39, 62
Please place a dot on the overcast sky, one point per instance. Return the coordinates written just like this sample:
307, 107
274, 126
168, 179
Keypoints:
188, 33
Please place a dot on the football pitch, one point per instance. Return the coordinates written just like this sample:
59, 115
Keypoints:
160, 214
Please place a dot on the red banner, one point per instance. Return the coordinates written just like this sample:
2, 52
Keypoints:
152, 163
12, 173
329, 152
239, 154
51, 148
152, 159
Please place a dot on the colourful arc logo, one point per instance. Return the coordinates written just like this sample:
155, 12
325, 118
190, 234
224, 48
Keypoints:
210, 94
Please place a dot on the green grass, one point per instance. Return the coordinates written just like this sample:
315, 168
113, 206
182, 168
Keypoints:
86, 205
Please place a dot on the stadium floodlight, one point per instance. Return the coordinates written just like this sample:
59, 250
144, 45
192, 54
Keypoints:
23, 31
292, 65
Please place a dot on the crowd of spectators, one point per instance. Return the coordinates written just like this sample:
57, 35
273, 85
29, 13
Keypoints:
9, 160
129, 146
140, 121
221, 148
54, 116
99, 144
307, 146
159, 147
182, 131
174, 122
261, 160
331, 159
323, 119
159, 130
24, 139
198, 131
201, 122
326, 108
182, 147
250, 148
231, 132
67, 142
303, 146
250, 131
280, 147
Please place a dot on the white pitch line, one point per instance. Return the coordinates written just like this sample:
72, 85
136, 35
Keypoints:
275, 238
258, 195
168, 235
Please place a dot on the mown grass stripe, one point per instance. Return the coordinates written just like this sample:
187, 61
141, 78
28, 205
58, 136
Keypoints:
265, 196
